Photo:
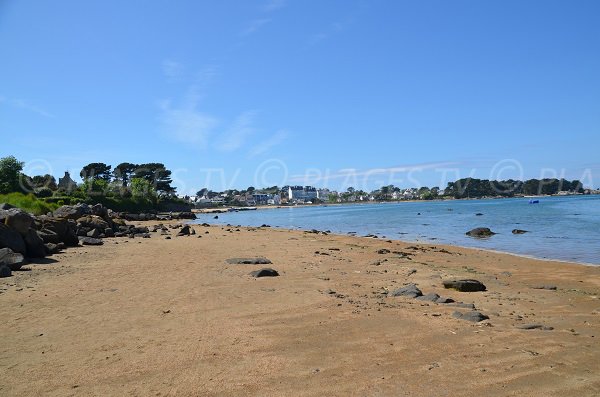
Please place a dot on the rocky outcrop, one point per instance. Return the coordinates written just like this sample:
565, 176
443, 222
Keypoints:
64, 229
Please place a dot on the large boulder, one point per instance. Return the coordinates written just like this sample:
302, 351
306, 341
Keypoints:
92, 222
35, 244
49, 236
72, 211
17, 219
13, 260
100, 210
65, 230
10, 238
466, 285
480, 232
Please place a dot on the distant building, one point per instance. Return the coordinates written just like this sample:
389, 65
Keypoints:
302, 194
266, 199
66, 183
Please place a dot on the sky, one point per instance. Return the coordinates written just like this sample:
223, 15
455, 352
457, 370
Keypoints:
231, 94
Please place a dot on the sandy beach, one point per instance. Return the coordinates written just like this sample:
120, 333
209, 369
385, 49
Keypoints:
171, 317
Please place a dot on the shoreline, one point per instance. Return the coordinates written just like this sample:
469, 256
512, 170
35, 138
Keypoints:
434, 242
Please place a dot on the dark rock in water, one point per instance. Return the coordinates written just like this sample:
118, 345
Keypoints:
470, 316
249, 261
479, 214
266, 272
90, 241
429, 297
5, 271
534, 326
13, 260
184, 231
216, 217
548, 287
480, 232
519, 231
10, 238
466, 285
265, 225
35, 245
16, 219
409, 290
383, 251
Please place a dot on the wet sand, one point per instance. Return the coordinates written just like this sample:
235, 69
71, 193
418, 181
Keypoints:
171, 317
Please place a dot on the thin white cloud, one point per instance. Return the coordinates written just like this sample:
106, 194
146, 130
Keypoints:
240, 129
273, 5
173, 70
187, 124
269, 143
334, 28
254, 26
24, 105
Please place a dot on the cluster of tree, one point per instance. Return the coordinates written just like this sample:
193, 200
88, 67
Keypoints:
126, 187
127, 179
474, 188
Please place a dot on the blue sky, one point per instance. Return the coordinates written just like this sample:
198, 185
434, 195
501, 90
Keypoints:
331, 93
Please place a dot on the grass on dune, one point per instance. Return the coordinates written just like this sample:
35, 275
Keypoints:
28, 202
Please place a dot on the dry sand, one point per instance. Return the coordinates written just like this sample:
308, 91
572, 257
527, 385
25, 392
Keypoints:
157, 317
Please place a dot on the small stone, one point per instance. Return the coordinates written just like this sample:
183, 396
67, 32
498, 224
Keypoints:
266, 272
465, 285
472, 316
409, 290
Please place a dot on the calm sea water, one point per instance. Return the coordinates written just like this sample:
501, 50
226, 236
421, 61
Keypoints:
563, 228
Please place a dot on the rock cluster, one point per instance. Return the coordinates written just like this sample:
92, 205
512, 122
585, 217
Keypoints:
23, 235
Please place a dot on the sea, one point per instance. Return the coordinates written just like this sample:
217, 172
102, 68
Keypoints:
565, 228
